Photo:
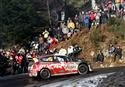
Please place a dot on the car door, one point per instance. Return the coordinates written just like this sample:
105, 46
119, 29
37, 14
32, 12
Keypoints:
57, 66
65, 64
70, 65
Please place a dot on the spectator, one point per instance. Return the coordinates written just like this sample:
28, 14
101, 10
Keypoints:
65, 31
71, 26
46, 34
104, 17
19, 58
62, 16
76, 50
62, 51
42, 48
100, 57
111, 49
97, 19
22, 50
92, 18
68, 20
118, 53
81, 18
41, 40
113, 8
59, 30
3, 64
24, 64
59, 38
29, 57
87, 22
70, 50
76, 19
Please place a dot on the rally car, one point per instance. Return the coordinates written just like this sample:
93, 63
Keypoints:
53, 65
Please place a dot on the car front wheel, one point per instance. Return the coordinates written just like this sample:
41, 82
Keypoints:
45, 74
83, 69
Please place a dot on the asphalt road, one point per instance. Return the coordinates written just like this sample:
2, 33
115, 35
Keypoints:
25, 81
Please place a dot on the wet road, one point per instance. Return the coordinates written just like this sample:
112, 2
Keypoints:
25, 81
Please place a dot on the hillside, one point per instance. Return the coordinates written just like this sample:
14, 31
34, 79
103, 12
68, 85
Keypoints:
99, 39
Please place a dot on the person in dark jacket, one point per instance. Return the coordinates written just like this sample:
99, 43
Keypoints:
118, 53
24, 64
3, 65
100, 57
104, 18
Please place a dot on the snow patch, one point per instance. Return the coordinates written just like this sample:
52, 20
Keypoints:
93, 81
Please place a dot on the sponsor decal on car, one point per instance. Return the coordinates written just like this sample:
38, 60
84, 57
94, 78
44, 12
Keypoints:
69, 67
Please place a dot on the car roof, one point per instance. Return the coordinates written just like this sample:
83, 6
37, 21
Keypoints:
45, 56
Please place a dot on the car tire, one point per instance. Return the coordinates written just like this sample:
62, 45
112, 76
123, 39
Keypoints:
45, 74
83, 69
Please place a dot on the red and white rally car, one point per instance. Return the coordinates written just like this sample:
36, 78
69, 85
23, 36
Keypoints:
52, 65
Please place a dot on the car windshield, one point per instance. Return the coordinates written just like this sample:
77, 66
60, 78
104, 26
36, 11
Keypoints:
47, 59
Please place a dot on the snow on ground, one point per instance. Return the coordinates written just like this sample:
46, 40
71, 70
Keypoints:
81, 82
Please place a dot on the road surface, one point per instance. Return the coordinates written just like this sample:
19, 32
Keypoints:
25, 81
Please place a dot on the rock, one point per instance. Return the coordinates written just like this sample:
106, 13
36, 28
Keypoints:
92, 53
111, 65
102, 66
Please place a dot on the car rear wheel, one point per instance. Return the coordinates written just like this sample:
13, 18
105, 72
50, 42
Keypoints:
45, 74
83, 69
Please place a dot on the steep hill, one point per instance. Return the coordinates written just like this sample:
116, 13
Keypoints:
99, 39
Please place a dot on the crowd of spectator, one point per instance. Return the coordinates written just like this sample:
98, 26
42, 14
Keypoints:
19, 56
112, 52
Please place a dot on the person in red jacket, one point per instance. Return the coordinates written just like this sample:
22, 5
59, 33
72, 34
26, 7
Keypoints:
92, 18
19, 59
